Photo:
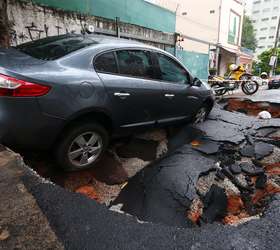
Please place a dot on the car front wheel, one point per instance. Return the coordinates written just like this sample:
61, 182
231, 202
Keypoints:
81, 146
201, 115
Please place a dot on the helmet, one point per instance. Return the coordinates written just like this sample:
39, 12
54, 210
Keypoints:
264, 75
233, 67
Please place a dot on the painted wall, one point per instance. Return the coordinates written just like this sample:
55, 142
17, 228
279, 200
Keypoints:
137, 12
31, 22
197, 63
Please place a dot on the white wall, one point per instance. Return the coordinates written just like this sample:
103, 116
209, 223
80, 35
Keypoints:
202, 19
195, 20
227, 7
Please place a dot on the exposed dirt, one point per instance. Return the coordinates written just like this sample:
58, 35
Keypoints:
252, 108
125, 158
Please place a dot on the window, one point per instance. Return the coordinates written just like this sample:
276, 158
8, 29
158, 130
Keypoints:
274, 17
262, 29
262, 38
135, 63
256, 2
266, 10
234, 28
52, 48
276, 8
271, 37
106, 63
256, 12
273, 28
171, 71
265, 19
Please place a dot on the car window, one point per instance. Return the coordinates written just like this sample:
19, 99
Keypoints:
171, 71
52, 48
135, 63
106, 63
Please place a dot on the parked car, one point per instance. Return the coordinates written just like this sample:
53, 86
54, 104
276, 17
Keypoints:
274, 82
72, 93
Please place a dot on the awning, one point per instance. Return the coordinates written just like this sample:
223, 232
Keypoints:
230, 50
238, 53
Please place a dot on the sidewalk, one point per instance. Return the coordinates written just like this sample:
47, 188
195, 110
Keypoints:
22, 223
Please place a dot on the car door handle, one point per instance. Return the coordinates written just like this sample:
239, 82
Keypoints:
121, 94
169, 95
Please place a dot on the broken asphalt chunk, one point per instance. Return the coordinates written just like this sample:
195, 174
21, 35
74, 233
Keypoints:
235, 169
248, 151
251, 169
262, 150
220, 175
207, 147
215, 203
261, 181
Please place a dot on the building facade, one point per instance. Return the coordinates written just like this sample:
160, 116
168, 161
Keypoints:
213, 27
265, 17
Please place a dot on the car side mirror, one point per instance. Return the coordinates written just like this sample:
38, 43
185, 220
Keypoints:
196, 82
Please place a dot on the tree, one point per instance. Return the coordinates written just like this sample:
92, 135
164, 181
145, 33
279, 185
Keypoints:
262, 65
4, 25
248, 40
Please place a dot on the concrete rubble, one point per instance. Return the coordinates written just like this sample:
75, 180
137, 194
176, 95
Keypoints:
194, 189
222, 164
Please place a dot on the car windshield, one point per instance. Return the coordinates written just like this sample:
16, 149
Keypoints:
52, 48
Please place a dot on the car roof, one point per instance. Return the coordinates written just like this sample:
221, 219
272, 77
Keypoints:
116, 42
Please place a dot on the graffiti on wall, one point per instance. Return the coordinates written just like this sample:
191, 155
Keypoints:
36, 22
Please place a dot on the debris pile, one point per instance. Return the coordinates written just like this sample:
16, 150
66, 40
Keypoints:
234, 194
226, 173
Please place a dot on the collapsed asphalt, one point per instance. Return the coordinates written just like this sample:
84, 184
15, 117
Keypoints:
164, 191
168, 184
81, 223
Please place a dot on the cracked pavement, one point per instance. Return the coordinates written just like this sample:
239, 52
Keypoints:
158, 194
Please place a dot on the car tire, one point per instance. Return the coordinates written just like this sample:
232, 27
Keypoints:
201, 114
81, 146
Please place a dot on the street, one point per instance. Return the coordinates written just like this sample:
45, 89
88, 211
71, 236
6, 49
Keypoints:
140, 124
263, 95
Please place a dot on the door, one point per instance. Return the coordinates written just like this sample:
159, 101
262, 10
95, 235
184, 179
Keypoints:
134, 94
181, 99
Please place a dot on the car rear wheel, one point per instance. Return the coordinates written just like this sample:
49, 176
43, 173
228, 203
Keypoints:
81, 146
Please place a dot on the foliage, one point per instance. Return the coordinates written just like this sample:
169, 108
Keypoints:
262, 65
248, 40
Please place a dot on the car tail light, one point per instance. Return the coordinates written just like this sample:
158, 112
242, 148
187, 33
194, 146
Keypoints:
10, 86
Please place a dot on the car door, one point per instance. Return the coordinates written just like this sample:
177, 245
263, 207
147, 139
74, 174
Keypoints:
181, 99
134, 94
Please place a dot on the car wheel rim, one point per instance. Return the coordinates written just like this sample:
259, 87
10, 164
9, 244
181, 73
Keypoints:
200, 116
85, 149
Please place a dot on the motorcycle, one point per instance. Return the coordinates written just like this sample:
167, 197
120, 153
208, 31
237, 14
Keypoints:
238, 75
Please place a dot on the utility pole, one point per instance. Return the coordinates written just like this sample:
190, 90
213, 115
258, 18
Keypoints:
218, 40
274, 52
